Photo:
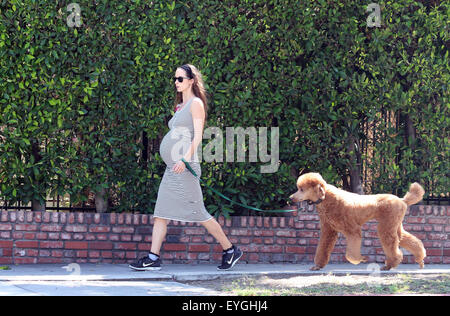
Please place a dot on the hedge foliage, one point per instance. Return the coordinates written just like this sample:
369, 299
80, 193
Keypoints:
85, 107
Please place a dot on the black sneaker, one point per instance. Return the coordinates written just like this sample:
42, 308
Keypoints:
230, 259
146, 264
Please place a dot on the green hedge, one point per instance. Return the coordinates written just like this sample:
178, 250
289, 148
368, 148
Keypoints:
84, 108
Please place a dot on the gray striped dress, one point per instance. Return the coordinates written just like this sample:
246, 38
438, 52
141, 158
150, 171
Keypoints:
180, 196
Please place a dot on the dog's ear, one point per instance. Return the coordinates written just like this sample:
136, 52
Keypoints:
321, 191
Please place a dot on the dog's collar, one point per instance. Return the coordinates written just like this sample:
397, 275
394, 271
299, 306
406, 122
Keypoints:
315, 203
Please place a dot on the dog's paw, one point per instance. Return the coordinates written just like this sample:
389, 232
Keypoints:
385, 268
315, 268
364, 259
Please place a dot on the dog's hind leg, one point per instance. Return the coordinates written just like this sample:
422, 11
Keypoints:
353, 252
390, 242
413, 245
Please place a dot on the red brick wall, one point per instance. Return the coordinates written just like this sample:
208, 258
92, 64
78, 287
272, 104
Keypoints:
48, 237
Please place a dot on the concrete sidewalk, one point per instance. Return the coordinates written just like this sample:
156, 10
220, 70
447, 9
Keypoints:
119, 280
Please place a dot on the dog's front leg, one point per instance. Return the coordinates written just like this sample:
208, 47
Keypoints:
353, 252
328, 238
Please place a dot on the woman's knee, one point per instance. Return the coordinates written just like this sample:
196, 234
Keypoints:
162, 221
211, 223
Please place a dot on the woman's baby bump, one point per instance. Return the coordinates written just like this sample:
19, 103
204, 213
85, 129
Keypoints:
175, 144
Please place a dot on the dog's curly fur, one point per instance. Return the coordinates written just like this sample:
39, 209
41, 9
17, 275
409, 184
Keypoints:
345, 212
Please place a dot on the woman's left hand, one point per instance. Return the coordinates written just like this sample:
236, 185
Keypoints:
179, 167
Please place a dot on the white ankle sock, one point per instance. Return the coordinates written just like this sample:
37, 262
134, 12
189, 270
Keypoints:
229, 250
152, 256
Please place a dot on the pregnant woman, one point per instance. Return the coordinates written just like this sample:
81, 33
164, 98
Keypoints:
179, 196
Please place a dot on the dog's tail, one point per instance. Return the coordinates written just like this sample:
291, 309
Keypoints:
414, 195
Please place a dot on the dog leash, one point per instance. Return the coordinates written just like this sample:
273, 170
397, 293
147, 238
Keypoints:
299, 209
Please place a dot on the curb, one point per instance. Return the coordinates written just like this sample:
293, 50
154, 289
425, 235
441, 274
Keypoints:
176, 272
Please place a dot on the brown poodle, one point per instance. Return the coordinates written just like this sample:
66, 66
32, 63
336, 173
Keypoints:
346, 212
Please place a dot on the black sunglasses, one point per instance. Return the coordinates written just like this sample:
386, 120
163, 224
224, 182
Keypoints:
180, 79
